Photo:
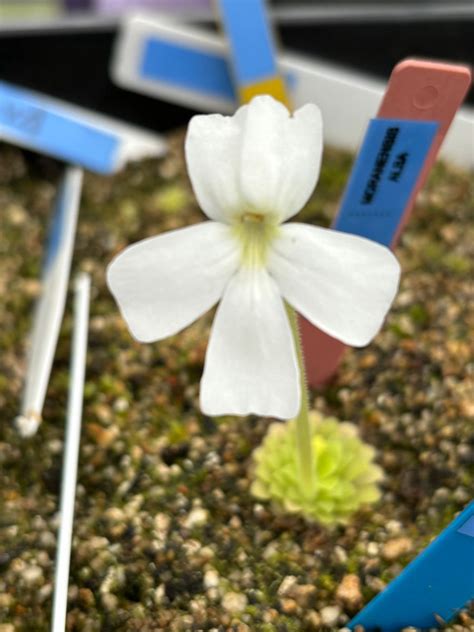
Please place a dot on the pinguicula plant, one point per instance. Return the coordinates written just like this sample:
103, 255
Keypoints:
252, 172
345, 476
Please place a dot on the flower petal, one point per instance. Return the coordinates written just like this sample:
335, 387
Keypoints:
251, 365
343, 284
164, 283
281, 155
261, 159
212, 148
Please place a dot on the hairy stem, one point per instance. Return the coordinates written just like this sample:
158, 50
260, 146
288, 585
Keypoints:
304, 446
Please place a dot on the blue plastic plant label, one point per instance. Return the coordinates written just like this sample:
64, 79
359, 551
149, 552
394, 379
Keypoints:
468, 529
29, 120
432, 588
252, 48
187, 68
384, 177
253, 52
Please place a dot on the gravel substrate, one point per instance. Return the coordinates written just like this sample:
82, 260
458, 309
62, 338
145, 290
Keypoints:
167, 535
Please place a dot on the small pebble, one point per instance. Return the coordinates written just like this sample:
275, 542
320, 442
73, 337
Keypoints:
109, 601
330, 615
162, 522
313, 620
86, 597
6, 600
287, 585
197, 517
44, 592
340, 554
288, 606
32, 575
349, 592
159, 594
372, 549
393, 549
375, 583
234, 602
104, 437
47, 540
211, 579
304, 594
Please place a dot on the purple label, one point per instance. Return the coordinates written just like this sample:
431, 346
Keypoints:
118, 6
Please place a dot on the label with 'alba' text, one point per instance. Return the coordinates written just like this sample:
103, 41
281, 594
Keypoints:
384, 177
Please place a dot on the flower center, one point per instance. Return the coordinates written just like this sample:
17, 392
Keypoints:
255, 232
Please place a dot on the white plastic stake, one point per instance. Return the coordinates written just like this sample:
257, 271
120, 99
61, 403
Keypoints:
50, 308
71, 451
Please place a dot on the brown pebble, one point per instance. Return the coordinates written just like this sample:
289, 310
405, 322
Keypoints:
348, 591
102, 436
466, 620
270, 615
288, 606
6, 600
86, 597
368, 360
393, 549
313, 620
304, 595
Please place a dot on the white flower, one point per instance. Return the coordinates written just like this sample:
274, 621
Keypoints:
250, 173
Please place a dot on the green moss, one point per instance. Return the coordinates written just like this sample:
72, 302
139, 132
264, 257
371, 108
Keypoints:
172, 198
398, 330
176, 432
353, 564
456, 263
419, 314
327, 582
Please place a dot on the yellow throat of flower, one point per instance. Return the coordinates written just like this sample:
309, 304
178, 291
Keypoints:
255, 233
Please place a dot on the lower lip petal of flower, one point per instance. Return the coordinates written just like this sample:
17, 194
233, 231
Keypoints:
251, 364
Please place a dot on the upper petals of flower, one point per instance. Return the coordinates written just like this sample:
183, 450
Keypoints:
343, 284
164, 283
212, 148
251, 364
261, 160
280, 157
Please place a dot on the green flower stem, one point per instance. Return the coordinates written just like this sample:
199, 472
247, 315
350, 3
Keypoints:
303, 431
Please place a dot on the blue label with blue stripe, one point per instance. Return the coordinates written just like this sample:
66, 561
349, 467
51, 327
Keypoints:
384, 177
188, 68
252, 46
433, 588
30, 119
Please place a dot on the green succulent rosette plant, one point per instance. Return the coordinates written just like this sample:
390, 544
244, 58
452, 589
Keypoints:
345, 475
